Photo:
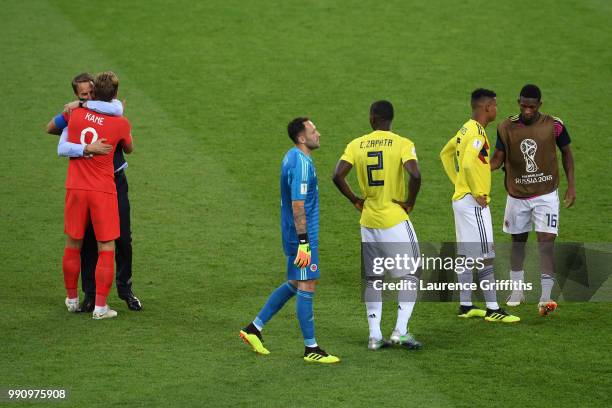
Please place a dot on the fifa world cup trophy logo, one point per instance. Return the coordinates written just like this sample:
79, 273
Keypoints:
528, 148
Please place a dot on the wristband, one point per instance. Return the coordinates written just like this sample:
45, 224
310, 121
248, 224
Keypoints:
303, 238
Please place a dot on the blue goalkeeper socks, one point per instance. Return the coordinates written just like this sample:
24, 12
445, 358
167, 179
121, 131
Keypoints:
304, 309
275, 302
305, 316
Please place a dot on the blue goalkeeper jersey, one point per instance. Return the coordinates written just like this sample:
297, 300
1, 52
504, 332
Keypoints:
298, 182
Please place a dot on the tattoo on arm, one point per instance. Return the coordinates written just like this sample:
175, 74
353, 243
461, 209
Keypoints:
299, 217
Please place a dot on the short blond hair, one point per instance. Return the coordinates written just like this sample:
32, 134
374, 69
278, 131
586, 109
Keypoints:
106, 85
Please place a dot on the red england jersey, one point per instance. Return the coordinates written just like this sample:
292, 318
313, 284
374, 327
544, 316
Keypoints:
96, 173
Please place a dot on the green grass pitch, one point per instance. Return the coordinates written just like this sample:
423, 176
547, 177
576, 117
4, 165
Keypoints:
209, 87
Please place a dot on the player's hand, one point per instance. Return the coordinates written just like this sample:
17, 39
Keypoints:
302, 259
99, 147
408, 208
481, 200
359, 204
570, 197
69, 107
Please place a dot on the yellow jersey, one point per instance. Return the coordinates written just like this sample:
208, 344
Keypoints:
379, 159
466, 161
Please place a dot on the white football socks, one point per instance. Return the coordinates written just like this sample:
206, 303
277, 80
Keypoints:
547, 282
465, 295
101, 309
492, 305
404, 311
518, 277
374, 310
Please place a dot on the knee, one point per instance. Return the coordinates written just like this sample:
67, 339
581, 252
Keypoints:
545, 237
520, 237
307, 285
106, 246
73, 242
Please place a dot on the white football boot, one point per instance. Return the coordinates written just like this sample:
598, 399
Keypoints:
374, 344
72, 305
515, 298
407, 340
106, 314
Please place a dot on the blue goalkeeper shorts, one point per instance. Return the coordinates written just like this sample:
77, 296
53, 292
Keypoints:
301, 274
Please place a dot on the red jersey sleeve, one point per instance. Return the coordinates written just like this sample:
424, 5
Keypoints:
127, 133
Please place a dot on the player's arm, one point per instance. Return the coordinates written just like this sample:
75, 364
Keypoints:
409, 161
414, 185
298, 180
299, 217
67, 149
52, 129
127, 143
56, 125
342, 170
447, 156
500, 154
567, 158
468, 164
568, 166
302, 258
128, 147
113, 108
59, 122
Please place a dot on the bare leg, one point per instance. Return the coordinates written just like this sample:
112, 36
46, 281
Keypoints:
73, 243
517, 255
517, 260
546, 242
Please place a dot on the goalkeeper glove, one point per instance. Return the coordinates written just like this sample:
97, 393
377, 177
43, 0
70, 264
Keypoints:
302, 259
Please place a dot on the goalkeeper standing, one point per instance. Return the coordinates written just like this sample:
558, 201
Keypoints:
300, 233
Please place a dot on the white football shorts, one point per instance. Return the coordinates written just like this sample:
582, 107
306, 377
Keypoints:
390, 242
523, 214
473, 229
